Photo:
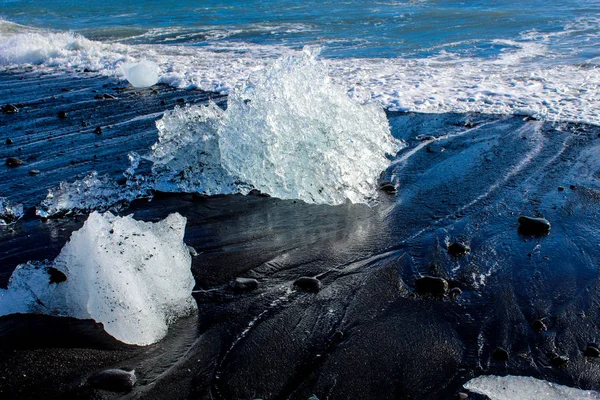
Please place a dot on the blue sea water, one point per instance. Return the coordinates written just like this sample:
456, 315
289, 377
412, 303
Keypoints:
537, 57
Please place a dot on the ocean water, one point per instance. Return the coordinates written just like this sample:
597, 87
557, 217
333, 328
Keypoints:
537, 58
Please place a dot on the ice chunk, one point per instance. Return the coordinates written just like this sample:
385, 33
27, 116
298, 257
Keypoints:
87, 194
141, 75
526, 388
290, 132
132, 276
10, 211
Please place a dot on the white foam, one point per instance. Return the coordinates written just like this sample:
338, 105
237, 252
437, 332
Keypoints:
525, 388
290, 132
134, 277
10, 212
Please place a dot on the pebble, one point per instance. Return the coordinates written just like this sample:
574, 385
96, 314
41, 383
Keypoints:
107, 96
431, 285
561, 189
455, 292
462, 396
534, 226
98, 130
99, 97
458, 249
539, 326
62, 114
244, 284
192, 251
113, 380
591, 351
559, 361
34, 172
13, 162
308, 284
10, 109
500, 355
9, 141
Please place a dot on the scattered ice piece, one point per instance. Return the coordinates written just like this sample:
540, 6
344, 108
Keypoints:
525, 388
290, 132
141, 75
134, 277
90, 193
10, 212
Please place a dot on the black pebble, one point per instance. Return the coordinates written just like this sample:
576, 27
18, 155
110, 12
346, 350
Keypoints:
163, 102
13, 162
113, 380
500, 355
99, 97
559, 361
107, 96
181, 100
534, 226
431, 285
244, 284
34, 172
539, 326
10, 109
458, 249
56, 276
98, 130
561, 189
62, 114
9, 141
308, 284
591, 351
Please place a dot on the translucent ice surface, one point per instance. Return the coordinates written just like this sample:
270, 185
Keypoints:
525, 388
9, 211
133, 277
290, 131
142, 74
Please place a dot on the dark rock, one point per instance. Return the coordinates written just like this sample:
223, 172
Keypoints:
308, 284
34, 172
99, 97
13, 162
572, 187
455, 292
500, 355
462, 396
62, 114
244, 284
591, 351
84, 124
559, 360
109, 97
181, 100
431, 285
163, 102
435, 149
113, 380
87, 70
10, 109
98, 130
388, 187
458, 249
561, 189
192, 251
9, 141
533, 226
56, 276
539, 326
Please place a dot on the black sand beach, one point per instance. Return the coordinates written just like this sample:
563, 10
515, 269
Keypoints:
516, 303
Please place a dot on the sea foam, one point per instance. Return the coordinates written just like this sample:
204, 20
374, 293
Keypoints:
524, 387
133, 277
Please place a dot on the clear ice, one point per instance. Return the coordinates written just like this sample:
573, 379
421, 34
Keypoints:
10, 211
525, 387
290, 132
141, 75
134, 277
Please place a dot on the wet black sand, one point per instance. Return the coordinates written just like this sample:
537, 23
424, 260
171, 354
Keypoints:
366, 334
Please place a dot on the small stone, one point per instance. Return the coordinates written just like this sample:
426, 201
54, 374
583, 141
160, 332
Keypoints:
113, 380
107, 96
13, 162
308, 284
9, 141
531, 226
181, 100
500, 355
572, 187
99, 97
458, 249
455, 292
539, 326
163, 102
192, 251
56, 276
34, 172
462, 396
591, 351
388, 187
561, 189
98, 130
62, 114
84, 124
244, 284
10, 109
431, 285
559, 360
